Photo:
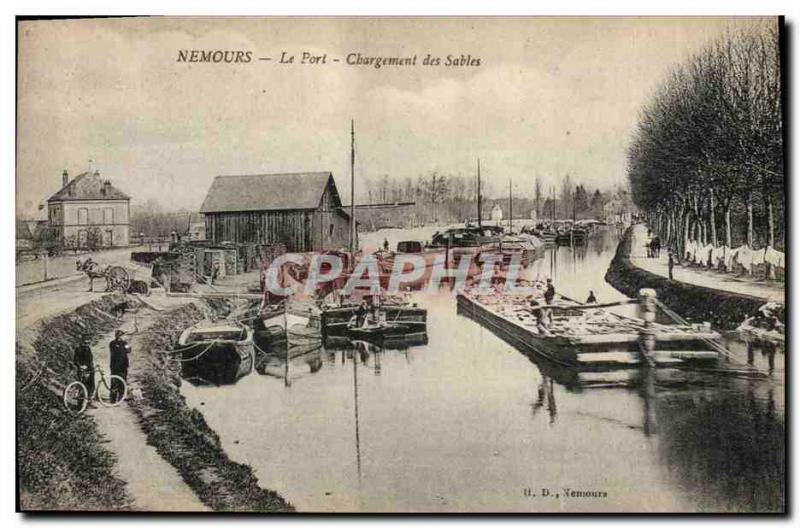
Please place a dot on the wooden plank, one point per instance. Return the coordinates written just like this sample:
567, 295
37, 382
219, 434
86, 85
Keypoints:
598, 339
584, 306
631, 337
686, 354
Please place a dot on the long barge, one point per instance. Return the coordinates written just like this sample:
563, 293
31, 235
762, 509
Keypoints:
594, 341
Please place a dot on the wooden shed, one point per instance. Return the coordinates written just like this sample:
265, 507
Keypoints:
302, 211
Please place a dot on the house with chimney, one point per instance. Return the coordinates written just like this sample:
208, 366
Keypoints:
89, 212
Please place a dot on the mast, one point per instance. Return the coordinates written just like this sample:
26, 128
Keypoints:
352, 194
510, 208
479, 194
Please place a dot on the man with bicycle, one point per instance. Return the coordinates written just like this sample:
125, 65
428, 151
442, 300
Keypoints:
84, 363
119, 350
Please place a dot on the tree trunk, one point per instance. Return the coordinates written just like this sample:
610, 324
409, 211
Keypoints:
669, 228
770, 221
749, 204
711, 220
728, 237
702, 231
770, 234
686, 233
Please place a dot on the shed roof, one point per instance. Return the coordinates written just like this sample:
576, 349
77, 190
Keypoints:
264, 192
88, 186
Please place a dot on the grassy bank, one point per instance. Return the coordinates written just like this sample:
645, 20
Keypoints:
61, 461
695, 303
181, 435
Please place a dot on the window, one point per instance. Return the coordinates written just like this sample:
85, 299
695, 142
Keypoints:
83, 216
95, 216
108, 215
330, 230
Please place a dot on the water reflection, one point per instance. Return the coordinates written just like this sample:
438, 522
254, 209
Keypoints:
461, 421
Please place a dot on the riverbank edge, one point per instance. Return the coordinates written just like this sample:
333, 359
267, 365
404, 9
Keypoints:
182, 436
62, 464
697, 304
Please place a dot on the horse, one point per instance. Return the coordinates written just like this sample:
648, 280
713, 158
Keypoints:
93, 271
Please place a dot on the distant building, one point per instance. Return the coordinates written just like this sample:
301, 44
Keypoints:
303, 211
497, 213
90, 212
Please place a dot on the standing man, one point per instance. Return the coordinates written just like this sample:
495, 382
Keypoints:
550, 292
119, 350
385, 244
84, 363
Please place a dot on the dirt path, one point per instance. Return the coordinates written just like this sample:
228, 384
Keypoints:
32, 271
154, 484
768, 291
42, 303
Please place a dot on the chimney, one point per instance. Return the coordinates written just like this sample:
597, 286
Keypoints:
64, 178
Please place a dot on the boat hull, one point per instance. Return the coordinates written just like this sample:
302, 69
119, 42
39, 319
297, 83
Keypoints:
565, 352
335, 320
219, 363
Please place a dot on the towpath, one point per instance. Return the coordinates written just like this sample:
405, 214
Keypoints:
154, 484
765, 290
51, 299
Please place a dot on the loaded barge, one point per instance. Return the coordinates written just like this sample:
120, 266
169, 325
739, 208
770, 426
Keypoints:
589, 337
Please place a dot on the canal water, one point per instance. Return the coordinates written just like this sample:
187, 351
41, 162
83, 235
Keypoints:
466, 423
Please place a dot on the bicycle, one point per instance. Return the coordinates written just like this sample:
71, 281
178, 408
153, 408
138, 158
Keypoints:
76, 395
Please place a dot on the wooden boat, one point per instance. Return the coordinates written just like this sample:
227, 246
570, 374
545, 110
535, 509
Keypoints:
335, 319
467, 236
585, 336
572, 236
388, 341
296, 322
374, 329
216, 353
546, 235
520, 246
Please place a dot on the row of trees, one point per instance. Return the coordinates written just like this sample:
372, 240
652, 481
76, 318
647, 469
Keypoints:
447, 198
154, 221
706, 162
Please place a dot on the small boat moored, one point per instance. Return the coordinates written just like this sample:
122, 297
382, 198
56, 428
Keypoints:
217, 353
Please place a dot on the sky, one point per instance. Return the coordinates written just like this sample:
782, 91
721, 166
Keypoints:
551, 96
